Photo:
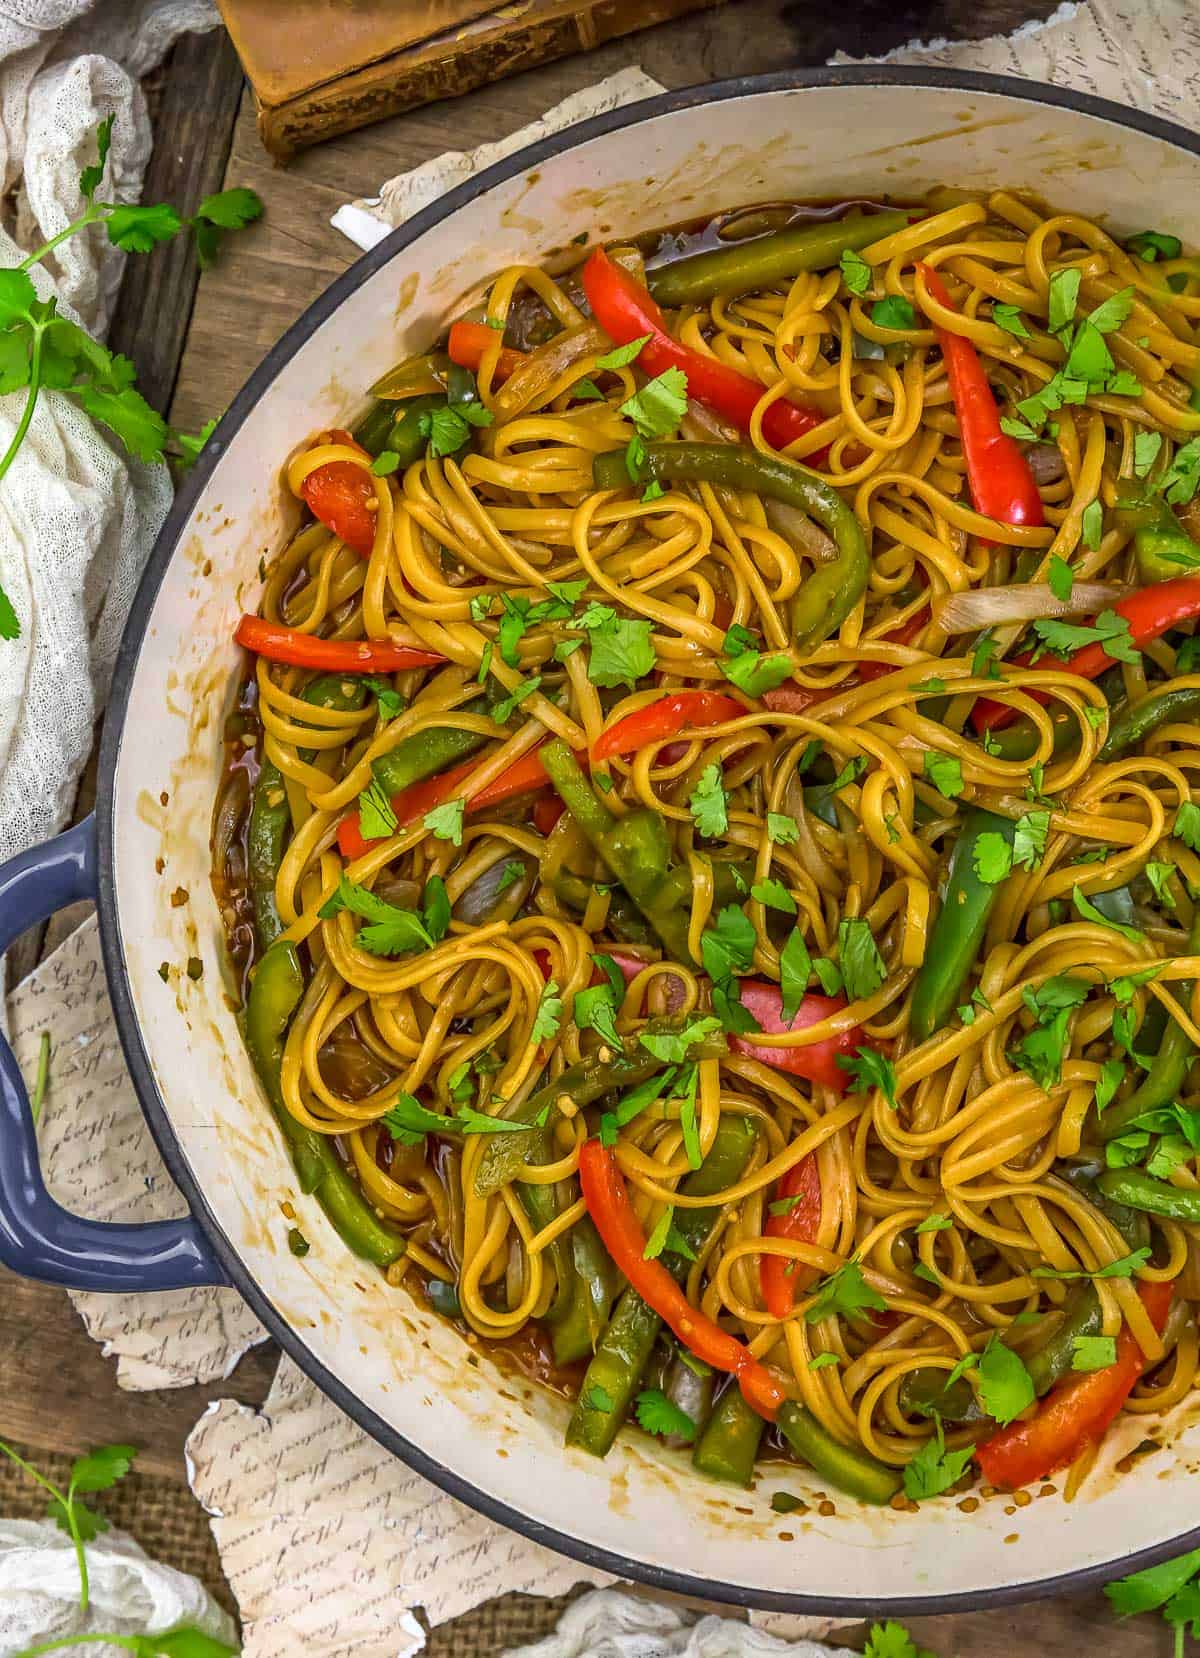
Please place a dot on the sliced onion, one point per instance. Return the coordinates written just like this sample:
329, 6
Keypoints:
232, 802
700, 424
542, 367
796, 527
1026, 602
1046, 463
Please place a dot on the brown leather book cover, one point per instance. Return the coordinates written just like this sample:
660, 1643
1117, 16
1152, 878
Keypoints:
322, 67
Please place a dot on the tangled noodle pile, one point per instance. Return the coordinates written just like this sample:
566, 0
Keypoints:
807, 764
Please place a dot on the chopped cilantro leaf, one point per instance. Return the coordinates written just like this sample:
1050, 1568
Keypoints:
1063, 297
944, 771
660, 405
708, 803
856, 273
869, 1069
622, 355
862, 967
1009, 318
657, 1414
893, 312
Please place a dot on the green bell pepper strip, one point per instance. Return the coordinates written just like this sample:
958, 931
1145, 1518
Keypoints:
832, 590
924, 1391
597, 1279
728, 1447
766, 261
959, 929
567, 1314
461, 386
443, 1298
398, 428
266, 837
1134, 723
844, 1466
1020, 740
1138, 1190
271, 816
275, 993
625, 920
731, 882
406, 439
1161, 545
635, 848
373, 429
1166, 1076
1054, 1357
624, 1350
505, 1155
428, 752
1133, 1227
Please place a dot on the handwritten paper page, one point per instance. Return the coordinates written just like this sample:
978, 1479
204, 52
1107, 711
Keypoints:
99, 1160
330, 1543
1144, 54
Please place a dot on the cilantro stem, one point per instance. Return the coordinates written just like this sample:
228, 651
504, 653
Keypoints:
43, 1076
35, 379
80, 1551
94, 213
130, 1643
68, 1505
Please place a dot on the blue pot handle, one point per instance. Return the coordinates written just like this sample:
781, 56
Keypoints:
38, 1237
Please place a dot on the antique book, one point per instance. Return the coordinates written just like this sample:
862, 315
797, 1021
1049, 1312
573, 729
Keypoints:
322, 67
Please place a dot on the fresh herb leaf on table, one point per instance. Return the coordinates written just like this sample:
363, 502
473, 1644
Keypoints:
41, 349
97, 1470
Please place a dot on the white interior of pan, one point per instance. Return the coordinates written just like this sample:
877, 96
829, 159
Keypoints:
496, 1433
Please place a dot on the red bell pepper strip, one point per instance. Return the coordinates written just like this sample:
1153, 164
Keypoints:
625, 311
801, 1188
342, 496
904, 635
522, 777
608, 1204
469, 342
680, 711
816, 1063
546, 811
1002, 485
1150, 612
339, 656
1073, 1415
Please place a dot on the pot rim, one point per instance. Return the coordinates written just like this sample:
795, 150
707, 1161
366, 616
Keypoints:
116, 969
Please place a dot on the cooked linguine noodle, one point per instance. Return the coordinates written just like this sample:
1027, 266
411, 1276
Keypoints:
972, 873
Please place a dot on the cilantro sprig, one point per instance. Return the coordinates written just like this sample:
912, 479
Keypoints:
41, 350
657, 1414
1089, 367
96, 1471
391, 931
1172, 1589
408, 1122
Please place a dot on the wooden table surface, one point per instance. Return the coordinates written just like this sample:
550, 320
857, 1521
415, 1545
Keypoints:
56, 1391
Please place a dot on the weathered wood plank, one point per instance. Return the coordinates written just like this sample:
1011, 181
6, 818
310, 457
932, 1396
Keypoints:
58, 1393
193, 128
